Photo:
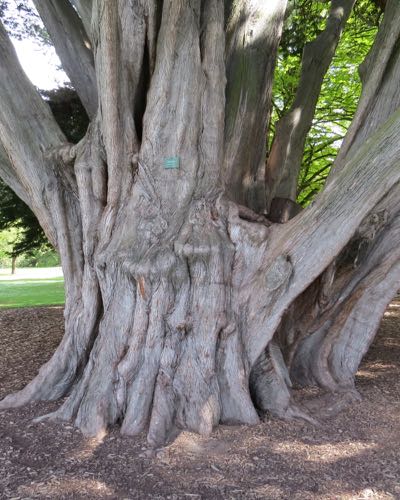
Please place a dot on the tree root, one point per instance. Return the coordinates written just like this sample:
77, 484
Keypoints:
331, 404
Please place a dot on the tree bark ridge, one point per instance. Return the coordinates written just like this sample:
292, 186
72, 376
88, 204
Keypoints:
253, 34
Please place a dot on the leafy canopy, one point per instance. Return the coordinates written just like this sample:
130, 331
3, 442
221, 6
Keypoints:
341, 87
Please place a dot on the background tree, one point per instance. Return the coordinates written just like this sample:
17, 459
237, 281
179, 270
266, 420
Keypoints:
185, 306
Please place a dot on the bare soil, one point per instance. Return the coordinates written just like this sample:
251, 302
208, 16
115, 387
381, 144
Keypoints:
355, 455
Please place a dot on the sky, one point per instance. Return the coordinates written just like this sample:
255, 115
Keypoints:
41, 64
39, 61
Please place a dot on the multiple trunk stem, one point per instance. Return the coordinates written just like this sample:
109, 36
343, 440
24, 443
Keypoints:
185, 308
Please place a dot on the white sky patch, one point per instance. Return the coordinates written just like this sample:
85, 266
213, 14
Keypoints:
41, 64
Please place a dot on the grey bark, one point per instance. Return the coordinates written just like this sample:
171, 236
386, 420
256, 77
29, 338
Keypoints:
84, 9
173, 289
285, 157
73, 48
253, 35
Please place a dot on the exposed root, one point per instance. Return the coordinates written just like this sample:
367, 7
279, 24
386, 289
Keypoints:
56, 377
171, 351
295, 412
331, 404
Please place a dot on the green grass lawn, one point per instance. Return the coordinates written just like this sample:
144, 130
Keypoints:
31, 292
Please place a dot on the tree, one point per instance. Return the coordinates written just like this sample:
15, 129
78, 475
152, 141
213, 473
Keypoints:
6, 240
185, 305
14, 213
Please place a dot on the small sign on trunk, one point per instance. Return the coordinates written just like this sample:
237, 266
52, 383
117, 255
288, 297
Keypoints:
171, 162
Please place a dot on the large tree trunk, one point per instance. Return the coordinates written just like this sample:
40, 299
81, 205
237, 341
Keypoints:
178, 296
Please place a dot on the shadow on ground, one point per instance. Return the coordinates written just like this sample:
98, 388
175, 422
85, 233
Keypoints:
356, 455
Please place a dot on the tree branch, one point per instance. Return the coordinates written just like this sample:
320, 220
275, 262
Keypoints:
286, 154
27, 131
377, 101
84, 9
305, 246
253, 35
73, 48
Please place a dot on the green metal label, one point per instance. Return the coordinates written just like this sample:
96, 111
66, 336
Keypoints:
171, 162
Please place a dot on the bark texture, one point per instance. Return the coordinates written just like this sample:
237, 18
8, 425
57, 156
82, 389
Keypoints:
84, 9
186, 307
253, 33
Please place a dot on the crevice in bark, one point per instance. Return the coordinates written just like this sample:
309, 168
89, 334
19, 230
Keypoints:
270, 386
84, 9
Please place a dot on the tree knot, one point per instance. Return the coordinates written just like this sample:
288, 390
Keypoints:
66, 153
372, 224
279, 273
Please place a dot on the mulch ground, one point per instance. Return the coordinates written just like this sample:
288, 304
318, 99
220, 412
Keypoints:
355, 455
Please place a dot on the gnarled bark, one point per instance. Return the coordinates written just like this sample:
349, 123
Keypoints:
174, 291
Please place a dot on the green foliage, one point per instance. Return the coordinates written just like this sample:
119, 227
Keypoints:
41, 257
68, 112
11, 244
341, 88
21, 20
7, 239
